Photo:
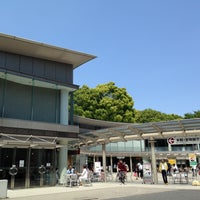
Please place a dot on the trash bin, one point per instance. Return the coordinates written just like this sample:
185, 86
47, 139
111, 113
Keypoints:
3, 188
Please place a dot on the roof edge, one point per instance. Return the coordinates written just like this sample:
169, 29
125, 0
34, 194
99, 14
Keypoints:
32, 48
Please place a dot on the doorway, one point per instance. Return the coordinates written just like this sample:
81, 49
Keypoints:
27, 167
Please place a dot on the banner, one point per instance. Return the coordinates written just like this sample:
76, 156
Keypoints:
192, 159
172, 161
146, 170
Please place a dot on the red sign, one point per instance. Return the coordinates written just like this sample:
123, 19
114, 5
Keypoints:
171, 140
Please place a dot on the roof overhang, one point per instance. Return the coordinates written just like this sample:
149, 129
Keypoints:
41, 129
149, 131
30, 48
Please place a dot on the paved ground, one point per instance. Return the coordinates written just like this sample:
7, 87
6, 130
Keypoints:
132, 190
103, 191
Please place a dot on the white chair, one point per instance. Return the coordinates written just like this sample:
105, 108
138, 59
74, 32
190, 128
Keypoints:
175, 177
70, 180
65, 179
73, 180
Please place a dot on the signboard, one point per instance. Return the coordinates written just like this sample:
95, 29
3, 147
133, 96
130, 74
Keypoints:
97, 167
171, 140
192, 159
146, 170
184, 140
21, 163
188, 140
172, 161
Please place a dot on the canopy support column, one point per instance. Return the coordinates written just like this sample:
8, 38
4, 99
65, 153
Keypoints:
104, 158
131, 168
153, 160
111, 163
94, 159
131, 165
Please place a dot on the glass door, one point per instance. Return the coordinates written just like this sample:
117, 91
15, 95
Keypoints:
24, 168
13, 166
21, 163
6, 157
42, 167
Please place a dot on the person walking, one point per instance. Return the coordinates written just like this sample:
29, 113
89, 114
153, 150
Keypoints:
121, 171
163, 167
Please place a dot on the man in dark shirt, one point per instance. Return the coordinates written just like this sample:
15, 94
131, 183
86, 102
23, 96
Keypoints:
121, 171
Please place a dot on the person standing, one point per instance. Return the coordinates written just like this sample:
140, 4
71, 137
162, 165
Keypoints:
57, 176
169, 169
140, 170
174, 168
163, 167
194, 169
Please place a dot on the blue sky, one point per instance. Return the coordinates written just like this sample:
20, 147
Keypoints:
149, 47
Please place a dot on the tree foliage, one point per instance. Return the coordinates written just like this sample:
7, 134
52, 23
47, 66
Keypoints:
105, 102
149, 115
195, 114
111, 103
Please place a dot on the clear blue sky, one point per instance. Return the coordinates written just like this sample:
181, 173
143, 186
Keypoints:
149, 47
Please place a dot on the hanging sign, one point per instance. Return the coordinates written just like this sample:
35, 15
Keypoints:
192, 159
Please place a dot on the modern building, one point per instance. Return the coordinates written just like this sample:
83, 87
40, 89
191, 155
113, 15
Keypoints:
39, 133
36, 125
107, 142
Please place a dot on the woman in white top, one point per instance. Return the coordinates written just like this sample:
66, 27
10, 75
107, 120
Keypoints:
84, 174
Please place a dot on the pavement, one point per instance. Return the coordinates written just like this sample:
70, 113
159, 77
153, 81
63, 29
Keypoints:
97, 187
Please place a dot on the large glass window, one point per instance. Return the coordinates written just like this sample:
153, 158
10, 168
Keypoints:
28, 163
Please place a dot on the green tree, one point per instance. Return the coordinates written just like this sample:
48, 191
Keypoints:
196, 114
105, 102
149, 115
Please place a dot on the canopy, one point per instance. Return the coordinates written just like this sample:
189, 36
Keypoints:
130, 131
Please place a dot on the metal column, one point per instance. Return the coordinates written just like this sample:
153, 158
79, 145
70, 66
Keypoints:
104, 158
111, 163
153, 160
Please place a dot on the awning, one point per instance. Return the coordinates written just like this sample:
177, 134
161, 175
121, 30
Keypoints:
153, 130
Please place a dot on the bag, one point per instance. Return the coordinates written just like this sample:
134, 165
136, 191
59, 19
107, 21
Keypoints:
140, 167
134, 174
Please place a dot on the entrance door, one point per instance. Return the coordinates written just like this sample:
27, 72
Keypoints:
28, 163
13, 158
21, 162
42, 167
6, 157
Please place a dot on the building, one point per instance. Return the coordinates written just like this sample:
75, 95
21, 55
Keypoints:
39, 133
108, 142
36, 83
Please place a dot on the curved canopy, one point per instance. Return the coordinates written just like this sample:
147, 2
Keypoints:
151, 131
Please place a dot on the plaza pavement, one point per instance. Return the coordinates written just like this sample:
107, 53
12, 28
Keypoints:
97, 187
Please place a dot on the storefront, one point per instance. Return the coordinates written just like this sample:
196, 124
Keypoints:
27, 167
